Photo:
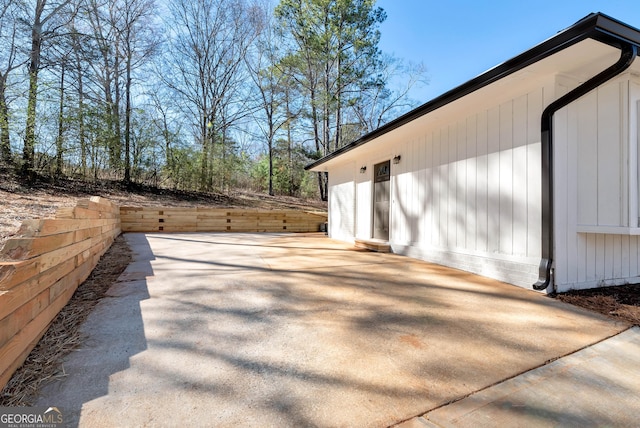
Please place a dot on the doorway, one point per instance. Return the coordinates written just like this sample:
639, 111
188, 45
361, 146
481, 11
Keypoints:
381, 200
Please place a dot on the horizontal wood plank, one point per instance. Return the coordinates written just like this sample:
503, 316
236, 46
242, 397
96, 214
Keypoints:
49, 260
27, 338
26, 248
71, 281
13, 273
9, 326
13, 298
84, 213
218, 220
45, 227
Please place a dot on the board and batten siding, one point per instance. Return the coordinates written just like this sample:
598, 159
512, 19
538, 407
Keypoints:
466, 194
364, 202
342, 203
596, 176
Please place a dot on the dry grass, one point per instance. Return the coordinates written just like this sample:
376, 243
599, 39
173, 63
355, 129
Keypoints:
45, 362
21, 201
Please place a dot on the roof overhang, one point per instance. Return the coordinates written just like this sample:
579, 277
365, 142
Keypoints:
578, 51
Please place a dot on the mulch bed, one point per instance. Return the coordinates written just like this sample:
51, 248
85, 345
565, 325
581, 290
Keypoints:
621, 302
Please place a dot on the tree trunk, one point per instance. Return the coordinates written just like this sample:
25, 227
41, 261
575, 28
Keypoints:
127, 124
60, 137
320, 148
5, 142
225, 180
117, 136
326, 114
28, 152
204, 167
81, 125
338, 99
270, 144
168, 151
289, 143
322, 186
290, 159
94, 158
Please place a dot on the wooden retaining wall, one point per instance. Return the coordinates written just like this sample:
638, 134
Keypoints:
148, 219
41, 268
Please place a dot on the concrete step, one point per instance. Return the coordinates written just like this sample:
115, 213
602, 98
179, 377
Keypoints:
374, 245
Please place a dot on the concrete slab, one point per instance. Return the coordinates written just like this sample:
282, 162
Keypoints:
291, 330
596, 387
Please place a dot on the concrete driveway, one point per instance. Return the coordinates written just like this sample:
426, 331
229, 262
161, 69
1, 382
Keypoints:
299, 330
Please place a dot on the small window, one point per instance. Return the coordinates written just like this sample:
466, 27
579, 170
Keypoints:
382, 172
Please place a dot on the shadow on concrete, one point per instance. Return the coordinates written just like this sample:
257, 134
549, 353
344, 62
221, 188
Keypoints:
280, 330
594, 387
114, 332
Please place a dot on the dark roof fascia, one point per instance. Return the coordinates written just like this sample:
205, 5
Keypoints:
614, 32
596, 26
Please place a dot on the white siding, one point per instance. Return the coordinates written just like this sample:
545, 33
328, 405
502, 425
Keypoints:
596, 218
364, 202
467, 193
342, 202
401, 192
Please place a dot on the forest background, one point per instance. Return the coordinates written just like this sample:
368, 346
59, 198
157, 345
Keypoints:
209, 95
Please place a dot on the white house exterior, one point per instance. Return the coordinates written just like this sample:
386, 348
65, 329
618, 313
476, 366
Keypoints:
475, 183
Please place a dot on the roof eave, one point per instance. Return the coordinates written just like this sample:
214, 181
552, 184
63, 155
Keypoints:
595, 25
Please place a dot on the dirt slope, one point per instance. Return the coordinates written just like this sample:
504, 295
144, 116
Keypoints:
20, 201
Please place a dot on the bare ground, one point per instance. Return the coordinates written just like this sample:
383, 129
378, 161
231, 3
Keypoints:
42, 199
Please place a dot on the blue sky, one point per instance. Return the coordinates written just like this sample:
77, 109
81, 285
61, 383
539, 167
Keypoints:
459, 39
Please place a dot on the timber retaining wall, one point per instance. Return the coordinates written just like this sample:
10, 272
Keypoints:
43, 265
41, 268
202, 219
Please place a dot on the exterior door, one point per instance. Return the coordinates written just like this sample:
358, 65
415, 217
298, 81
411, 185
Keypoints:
381, 200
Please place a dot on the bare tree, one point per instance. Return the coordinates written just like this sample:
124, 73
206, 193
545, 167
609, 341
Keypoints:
8, 63
266, 72
377, 103
225, 72
206, 58
79, 68
45, 22
102, 19
168, 125
139, 43
61, 118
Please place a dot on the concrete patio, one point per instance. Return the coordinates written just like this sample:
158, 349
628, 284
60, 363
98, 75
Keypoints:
300, 330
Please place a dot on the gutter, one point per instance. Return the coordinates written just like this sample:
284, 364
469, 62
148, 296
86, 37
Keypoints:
628, 54
597, 26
